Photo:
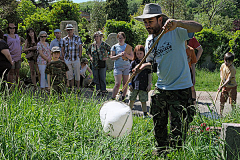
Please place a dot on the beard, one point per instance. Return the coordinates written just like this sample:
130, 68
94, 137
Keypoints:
154, 30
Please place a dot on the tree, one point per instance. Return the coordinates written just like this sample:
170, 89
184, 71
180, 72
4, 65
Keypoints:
25, 8
39, 21
174, 8
64, 10
97, 17
117, 10
214, 7
8, 11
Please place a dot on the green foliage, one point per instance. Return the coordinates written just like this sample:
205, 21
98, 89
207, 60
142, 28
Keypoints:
98, 17
8, 11
117, 10
25, 8
134, 30
209, 40
133, 6
39, 21
234, 44
86, 6
64, 10
113, 26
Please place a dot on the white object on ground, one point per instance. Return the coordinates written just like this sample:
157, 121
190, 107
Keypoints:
116, 118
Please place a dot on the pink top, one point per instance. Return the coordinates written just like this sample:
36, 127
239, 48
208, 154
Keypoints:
46, 51
14, 47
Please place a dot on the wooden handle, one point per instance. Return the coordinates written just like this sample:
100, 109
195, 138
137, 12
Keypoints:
143, 60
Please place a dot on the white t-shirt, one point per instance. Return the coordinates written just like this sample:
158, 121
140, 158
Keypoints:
83, 70
172, 70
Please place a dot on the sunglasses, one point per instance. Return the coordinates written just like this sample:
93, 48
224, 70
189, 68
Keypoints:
69, 30
43, 36
11, 27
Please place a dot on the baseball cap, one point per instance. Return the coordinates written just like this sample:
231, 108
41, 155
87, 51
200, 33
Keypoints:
55, 49
57, 30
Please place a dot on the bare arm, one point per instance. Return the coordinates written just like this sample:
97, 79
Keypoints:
149, 82
113, 55
130, 56
90, 72
6, 53
48, 79
43, 56
190, 26
80, 50
193, 73
200, 51
30, 48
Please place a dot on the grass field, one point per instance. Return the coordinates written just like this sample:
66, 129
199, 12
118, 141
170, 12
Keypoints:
205, 80
39, 126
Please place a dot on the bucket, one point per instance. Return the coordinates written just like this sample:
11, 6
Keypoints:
116, 118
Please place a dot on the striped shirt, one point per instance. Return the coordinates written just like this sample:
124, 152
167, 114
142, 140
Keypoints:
71, 47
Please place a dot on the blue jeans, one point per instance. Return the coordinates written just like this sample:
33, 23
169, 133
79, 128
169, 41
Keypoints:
99, 78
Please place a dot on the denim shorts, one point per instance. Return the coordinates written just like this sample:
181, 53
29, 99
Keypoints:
123, 70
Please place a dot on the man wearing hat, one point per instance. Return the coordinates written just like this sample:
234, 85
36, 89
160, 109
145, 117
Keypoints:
173, 87
57, 41
72, 52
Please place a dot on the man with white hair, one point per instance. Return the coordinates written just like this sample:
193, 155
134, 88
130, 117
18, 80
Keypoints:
173, 87
72, 52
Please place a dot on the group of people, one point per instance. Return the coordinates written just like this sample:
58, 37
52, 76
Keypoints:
173, 56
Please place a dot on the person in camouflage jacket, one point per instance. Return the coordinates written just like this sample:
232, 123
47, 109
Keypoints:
56, 71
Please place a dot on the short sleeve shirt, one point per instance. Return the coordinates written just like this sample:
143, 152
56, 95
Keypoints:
98, 53
71, 47
171, 58
228, 71
118, 49
194, 43
57, 43
57, 71
45, 50
14, 47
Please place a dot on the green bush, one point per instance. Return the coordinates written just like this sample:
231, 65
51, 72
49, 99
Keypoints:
134, 30
210, 40
113, 26
234, 44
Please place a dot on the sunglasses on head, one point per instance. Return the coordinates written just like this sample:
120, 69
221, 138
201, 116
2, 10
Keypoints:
43, 36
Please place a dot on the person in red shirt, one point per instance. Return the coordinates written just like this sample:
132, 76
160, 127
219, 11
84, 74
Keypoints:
196, 45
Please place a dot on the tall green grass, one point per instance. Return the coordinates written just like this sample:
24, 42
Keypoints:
41, 126
205, 80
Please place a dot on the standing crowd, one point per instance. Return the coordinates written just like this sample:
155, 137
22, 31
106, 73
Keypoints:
173, 59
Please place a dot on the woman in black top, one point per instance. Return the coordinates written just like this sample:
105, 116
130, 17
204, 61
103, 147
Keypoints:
5, 58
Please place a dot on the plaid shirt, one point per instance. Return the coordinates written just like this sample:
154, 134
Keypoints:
71, 47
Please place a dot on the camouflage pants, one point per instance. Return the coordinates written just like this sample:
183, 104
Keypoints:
177, 103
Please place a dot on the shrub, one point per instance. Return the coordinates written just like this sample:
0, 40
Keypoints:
210, 40
134, 30
234, 44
